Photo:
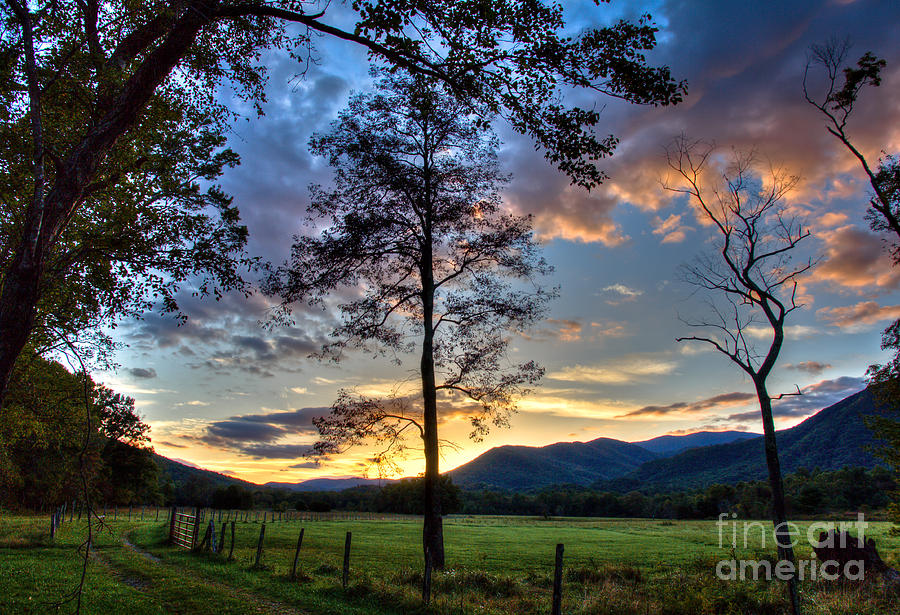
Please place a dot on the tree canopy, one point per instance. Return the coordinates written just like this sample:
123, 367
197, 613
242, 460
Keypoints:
107, 105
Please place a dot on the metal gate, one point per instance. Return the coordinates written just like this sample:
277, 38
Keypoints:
183, 529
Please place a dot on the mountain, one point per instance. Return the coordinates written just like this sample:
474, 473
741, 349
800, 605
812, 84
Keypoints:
181, 473
328, 484
830, 439
529, 467
666, 446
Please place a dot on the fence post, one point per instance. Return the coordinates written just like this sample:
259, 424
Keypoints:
172, 526
426, 579
296, 555
259, 545
231, 550
346, 574
196, 532
557, 582
221, 538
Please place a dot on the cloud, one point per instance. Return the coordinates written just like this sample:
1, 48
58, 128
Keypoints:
790, 332
856, 260
815, 397
710, 403
263, 435
142, 372
860, 316
560, 329
745, 64
671, 229
306, 465
623, 290
237, 432
621, 372
700, 428
810, 367
277, 451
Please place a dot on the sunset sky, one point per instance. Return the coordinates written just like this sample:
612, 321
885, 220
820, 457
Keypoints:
225, 394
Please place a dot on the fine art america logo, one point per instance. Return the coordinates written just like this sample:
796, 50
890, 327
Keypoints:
822, 535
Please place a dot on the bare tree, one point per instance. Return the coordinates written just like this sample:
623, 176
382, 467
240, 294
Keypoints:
836, 105
415, 221
836, 102
751, 280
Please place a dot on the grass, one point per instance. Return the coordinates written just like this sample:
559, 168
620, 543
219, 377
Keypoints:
500, 565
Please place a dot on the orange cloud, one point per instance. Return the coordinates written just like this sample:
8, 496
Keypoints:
859, 316
856, 260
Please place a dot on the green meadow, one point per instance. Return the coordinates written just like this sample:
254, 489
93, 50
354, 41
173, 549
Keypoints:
501, 565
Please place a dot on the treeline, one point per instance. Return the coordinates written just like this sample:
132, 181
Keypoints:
808, 493
61, 431
402, 497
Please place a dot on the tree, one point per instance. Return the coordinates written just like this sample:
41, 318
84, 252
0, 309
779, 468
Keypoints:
44, 433
751, 279
836, 105
415, 220
114, 60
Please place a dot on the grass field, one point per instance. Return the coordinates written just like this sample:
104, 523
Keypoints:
501, 565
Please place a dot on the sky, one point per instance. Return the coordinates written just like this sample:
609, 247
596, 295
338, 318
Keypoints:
224, 393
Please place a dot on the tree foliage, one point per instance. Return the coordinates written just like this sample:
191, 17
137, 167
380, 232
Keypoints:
45, 431
113, 129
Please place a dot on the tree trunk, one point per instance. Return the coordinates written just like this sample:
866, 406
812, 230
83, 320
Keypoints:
432, 531
779, 514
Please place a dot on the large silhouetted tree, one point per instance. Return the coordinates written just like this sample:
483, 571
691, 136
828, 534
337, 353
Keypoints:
750, 278
80, 79
415, 223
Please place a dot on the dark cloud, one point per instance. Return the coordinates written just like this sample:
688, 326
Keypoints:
171, 444
297, 420
142, 372
725, 399
261, 435
276, 451
306, 465
815, 397
225, 336
241, 431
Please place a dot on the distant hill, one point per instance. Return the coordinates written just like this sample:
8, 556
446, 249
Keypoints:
830, 439
670, 445
529, 467
181, 473
328, 484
